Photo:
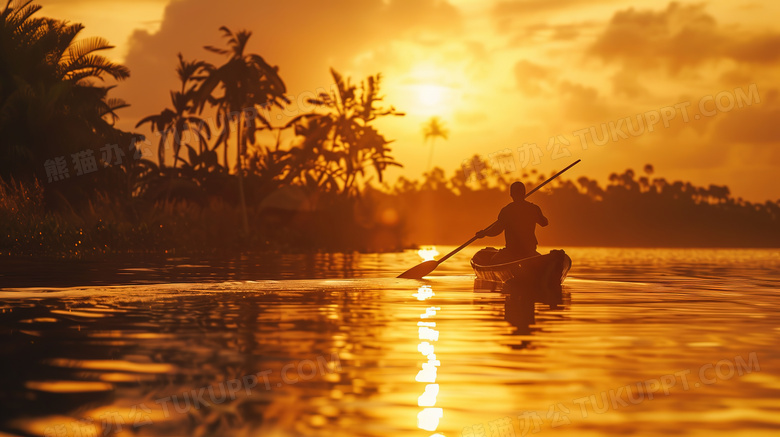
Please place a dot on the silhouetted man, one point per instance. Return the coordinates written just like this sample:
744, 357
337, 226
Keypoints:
518, 222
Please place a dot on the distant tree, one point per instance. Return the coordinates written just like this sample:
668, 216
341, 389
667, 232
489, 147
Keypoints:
591, 188
404, 185
719, 193
175, 123
341, 143
432, 129
434, 180
240, 89
476, 171
664, 214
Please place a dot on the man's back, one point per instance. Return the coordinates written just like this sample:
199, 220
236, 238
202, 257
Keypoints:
518, 220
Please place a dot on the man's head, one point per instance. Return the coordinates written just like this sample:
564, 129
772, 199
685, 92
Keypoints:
517, 191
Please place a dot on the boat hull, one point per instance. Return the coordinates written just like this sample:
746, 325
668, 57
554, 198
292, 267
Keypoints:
548, 270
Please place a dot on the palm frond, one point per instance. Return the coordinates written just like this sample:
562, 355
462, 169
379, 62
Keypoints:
116, 103
91, 65
20, 12
216, 50
84, 47
186, 70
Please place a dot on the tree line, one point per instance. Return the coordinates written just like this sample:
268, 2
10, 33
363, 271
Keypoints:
631, 210
60, 160
73, 184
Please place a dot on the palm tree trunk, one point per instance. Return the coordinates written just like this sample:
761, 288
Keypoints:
430, 156
347, 184
241, 197
225, 143
161, 152
176, 146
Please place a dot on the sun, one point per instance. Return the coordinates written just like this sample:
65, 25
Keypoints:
428, 89
430, 99
430, 96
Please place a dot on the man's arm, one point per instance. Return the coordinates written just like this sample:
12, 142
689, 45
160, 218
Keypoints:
495, 229
542, 220
492, 230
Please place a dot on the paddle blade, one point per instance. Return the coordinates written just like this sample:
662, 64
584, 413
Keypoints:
420, 270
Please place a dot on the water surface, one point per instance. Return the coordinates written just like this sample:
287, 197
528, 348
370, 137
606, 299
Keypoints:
647, 342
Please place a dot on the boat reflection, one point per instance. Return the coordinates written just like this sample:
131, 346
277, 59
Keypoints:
428, 418
520, 305
60, 350
520, 313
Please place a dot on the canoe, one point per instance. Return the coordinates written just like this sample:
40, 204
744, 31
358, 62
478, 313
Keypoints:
548, 270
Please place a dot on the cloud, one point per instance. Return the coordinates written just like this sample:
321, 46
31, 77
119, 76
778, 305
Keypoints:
627, 84
528, 7
759, 49
507, 14
536, 32
756, 124
508, 9
532, 78
417, 16
583, 104
678, 37
471, 117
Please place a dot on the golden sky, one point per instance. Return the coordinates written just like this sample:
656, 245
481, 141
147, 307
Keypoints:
690, 87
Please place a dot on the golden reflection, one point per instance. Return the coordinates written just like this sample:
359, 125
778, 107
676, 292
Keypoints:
68, 386
424, 293
86, 314
427, 333
115, 365
428, 399
428, 253
427, 374
428, 418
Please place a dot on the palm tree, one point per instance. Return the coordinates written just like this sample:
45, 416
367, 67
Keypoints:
719, 193
244, 83
178, 121
49, 102
432, 129
341, 142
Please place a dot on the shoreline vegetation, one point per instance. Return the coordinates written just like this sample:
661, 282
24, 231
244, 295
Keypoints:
72, 185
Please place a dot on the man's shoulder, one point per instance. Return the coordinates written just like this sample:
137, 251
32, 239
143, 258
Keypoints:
523, 204
508, 209
517, 207
522, 208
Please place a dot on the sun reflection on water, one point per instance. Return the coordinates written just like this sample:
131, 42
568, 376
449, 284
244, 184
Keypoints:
428, 418
428, 253
638, 315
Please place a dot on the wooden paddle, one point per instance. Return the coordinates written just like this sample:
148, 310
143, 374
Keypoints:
424, 268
